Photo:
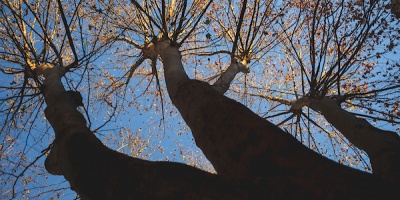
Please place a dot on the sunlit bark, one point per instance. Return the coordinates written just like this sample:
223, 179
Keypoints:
224, 81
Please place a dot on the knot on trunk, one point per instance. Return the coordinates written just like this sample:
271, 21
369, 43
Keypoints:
51, 163
64, 118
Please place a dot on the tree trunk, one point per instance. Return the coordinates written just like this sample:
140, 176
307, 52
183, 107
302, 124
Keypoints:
96, 172
382, 147
224, 81
241, 144
394, 7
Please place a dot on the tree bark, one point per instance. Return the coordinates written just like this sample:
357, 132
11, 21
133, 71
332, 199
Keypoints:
394, 7
382, 147
224, 81
96, 172
241, 144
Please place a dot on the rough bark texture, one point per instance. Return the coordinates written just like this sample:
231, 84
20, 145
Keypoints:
382, 147
241, 144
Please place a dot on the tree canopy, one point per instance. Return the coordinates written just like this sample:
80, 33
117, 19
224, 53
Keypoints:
325, 72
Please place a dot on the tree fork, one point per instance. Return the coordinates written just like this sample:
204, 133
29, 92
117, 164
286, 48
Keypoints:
224, 81
240, 143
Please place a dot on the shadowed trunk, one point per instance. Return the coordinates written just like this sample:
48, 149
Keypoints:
241, 144
96, 172
394, 7
253, 157
382, 147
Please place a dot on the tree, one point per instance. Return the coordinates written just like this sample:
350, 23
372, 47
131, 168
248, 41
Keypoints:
334, 54
253, 157
32, 34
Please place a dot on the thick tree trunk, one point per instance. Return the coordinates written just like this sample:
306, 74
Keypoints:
382, 147
96, 172
241, 144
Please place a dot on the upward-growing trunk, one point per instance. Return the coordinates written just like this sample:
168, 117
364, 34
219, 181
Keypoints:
96, 172
241, 144
382, 147
177, 74
224, 81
